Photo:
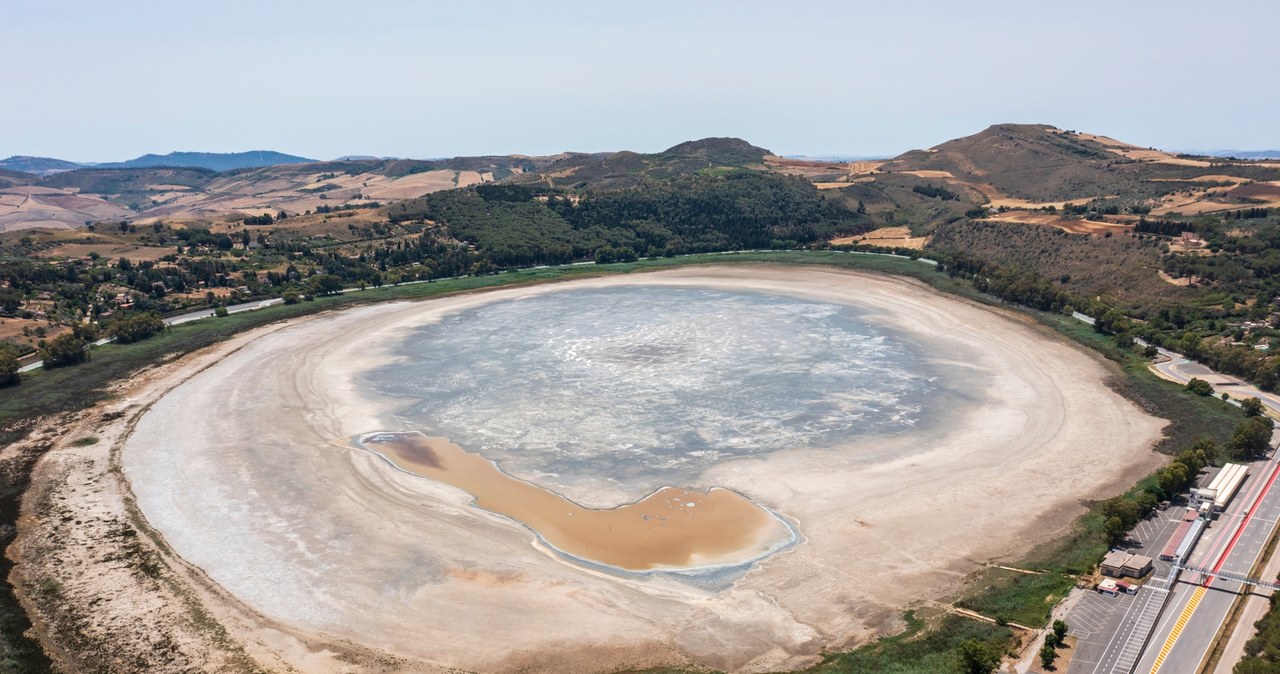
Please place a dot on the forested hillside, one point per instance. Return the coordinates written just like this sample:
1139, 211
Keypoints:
1121, 267
526, 224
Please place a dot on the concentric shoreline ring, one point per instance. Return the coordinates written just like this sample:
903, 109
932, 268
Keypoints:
233, 466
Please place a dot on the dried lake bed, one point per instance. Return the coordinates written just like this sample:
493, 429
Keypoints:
901, 437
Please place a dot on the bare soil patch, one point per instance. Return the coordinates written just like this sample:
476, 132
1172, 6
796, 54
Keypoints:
28, 332
110, 251
1183, 281
894, 237
1093, 227
1258, 191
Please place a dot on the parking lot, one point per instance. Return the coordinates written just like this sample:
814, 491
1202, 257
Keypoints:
1102, 624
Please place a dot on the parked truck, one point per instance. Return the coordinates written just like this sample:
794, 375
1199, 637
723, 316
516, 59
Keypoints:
1213, 499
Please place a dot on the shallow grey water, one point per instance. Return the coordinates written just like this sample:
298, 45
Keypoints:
648, 386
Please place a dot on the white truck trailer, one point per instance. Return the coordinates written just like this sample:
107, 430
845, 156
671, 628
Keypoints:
1213, 499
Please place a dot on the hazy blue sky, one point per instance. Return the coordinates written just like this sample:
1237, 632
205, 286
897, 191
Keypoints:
97, 81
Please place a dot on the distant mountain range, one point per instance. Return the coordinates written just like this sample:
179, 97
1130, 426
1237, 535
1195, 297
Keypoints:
40, 166
215, 161
1242, 154
1010, 165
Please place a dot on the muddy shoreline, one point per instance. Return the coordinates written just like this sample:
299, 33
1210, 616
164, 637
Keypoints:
670, 530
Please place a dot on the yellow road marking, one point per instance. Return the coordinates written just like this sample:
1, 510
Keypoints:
1177, 627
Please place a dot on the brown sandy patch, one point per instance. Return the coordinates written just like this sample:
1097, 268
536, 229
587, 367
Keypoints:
1159, 156
861, 167
1093, 227
1105, 140
894, 237
468, 178
1257, 191
823, 166
23, 331
805, 168
1182, 281
110, 251
856, 171
1011, 202
846, 183
169, 188
36, 207
1201, 204
411, 186
1208, 178
923, 173
669, 529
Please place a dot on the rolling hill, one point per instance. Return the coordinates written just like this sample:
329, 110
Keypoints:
203, 196
1029, 166
628, 169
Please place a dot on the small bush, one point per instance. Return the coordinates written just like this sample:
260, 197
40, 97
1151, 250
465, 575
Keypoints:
1200, 387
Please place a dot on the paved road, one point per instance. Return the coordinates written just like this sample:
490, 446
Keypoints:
1176, 367
1199, 608
184, 318
231, 309
1257, 604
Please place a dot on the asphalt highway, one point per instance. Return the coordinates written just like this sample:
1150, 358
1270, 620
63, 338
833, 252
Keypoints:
1201, 604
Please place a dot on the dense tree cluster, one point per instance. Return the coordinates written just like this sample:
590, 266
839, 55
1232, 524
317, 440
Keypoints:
1181, 473
9, 375
1262, 652
935, 192
512, 225
1249, 213
1251, 439
136, 327
1012, 284
1163, 227
65, 349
